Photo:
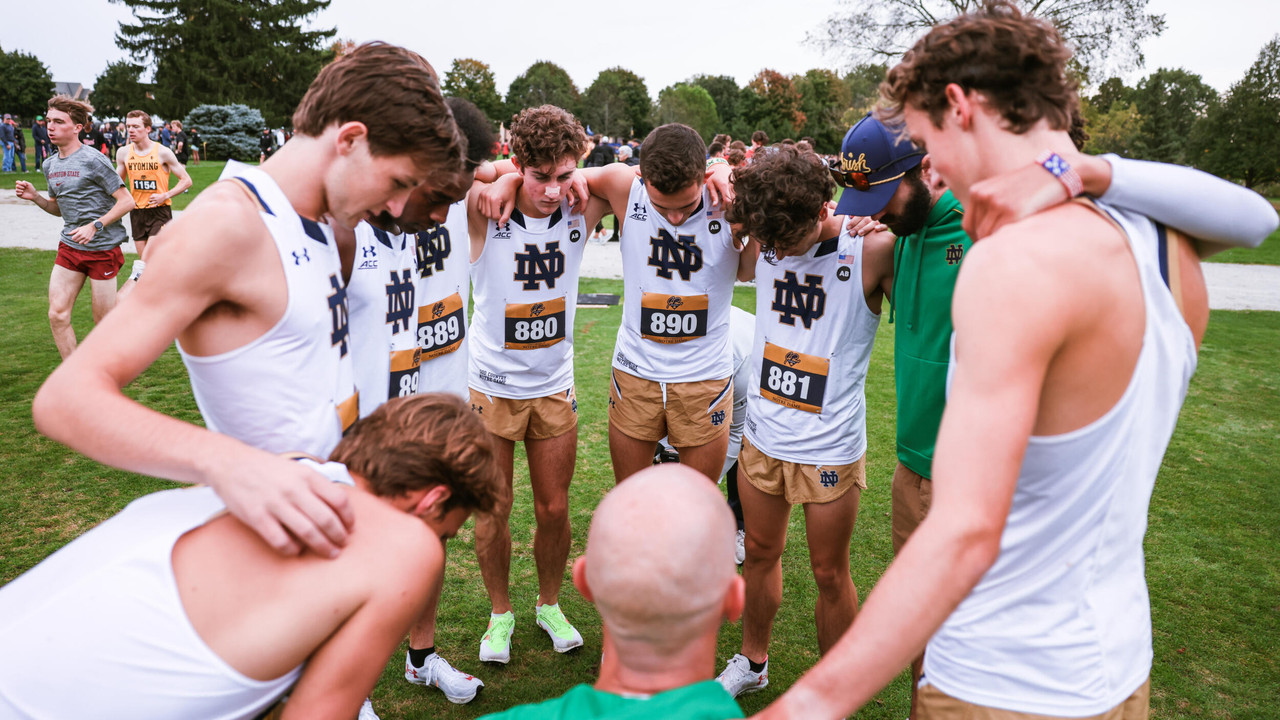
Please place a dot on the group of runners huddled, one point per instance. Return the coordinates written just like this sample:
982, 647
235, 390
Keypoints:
354, 418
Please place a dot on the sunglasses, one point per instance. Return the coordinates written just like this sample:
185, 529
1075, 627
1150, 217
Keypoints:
861, 180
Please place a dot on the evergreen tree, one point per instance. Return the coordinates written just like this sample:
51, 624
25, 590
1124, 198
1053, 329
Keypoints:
1238, 137
227, 51
1170, 102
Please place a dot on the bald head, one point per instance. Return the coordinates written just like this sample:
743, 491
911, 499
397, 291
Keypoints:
659, 560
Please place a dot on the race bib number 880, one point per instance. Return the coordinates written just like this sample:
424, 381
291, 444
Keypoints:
535, 325
673, 318
441, 327
793, 379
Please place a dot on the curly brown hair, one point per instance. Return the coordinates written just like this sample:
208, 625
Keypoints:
672, 158
396, 95
778, 198
546, 135
1017, 62
422, 441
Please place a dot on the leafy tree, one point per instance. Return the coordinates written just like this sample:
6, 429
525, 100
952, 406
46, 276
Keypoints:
226, 51
544, 83
1170, 102
1238, 137
472, 80
1112, 91
228, 131
864, 86
770, 102
1115, 130
25, 84
617, 104
724, 91
1104, 33
691, 105
118, 90
823, 99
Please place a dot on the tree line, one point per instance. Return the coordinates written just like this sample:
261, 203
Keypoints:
225, 52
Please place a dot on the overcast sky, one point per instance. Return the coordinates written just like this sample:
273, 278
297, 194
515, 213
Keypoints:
663, 41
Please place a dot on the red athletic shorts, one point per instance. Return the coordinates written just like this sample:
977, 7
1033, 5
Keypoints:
97, 264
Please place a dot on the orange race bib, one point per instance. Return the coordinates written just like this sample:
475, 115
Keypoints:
793, 379
536, 325
441, 327
673, 318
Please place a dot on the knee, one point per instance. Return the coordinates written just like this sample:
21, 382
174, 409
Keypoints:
554, 509
59, 317
831, 577
762, 551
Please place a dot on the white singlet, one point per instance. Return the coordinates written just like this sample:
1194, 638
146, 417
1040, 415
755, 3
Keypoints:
444, 296
384, 316
742, 331
814, 334
292, 387
1061, 623
526, 294
678, 288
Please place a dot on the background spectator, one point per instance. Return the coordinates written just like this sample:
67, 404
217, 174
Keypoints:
6, 138
40, 136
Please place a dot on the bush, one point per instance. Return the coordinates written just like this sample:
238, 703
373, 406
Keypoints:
228, 131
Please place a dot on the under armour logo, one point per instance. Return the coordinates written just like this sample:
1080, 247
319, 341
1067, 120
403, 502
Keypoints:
339, 333
534, 266
954, 252
368, 251
400, 304
791, 299
829, 478
639, 211
717, 418
477, 409
680, 254
299, 258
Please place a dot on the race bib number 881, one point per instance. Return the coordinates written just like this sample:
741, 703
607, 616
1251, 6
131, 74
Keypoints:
673, 318
535, 325
793, 379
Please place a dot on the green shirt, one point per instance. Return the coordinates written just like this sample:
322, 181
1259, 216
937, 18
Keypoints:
924, 279
693, 702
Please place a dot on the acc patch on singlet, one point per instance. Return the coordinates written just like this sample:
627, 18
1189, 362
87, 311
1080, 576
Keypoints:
793, 379
673, 318
535, 325
441, 327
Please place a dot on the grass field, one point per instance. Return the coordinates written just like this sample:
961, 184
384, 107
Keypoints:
1211, 548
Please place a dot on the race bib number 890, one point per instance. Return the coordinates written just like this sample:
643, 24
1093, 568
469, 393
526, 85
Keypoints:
793, 379
536, 325
441, 327
673, 318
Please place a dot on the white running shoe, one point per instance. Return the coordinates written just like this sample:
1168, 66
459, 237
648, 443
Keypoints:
457, 686
564, 636
366, 711
738, 678
740, 550
495, 646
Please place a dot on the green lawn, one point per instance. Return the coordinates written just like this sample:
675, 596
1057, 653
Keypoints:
1211, 547
202, 176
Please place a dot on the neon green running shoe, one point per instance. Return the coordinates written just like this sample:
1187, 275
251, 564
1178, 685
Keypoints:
495, 646
563, 635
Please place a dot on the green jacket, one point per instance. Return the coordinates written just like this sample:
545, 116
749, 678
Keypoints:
700, 701
924, 279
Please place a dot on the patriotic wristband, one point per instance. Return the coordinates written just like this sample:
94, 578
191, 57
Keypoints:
1059, 168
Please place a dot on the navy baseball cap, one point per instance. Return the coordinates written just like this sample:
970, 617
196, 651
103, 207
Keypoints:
873, 159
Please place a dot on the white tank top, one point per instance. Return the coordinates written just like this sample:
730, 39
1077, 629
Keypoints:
526, 293
678, 285
384, 316
292, 387
1061, 623
444, 295
813, 340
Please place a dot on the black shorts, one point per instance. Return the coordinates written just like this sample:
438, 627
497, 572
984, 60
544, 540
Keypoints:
146, 222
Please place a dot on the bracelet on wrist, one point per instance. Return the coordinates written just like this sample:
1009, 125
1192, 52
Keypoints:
1062, 170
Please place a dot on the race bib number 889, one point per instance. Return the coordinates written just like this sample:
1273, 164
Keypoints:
673, 318
441, 327
793, 379
535, 325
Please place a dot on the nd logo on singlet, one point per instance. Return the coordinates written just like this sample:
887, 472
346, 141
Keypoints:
533, 266
339, 333
434, 247
400, 301
792, 299
679, 254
